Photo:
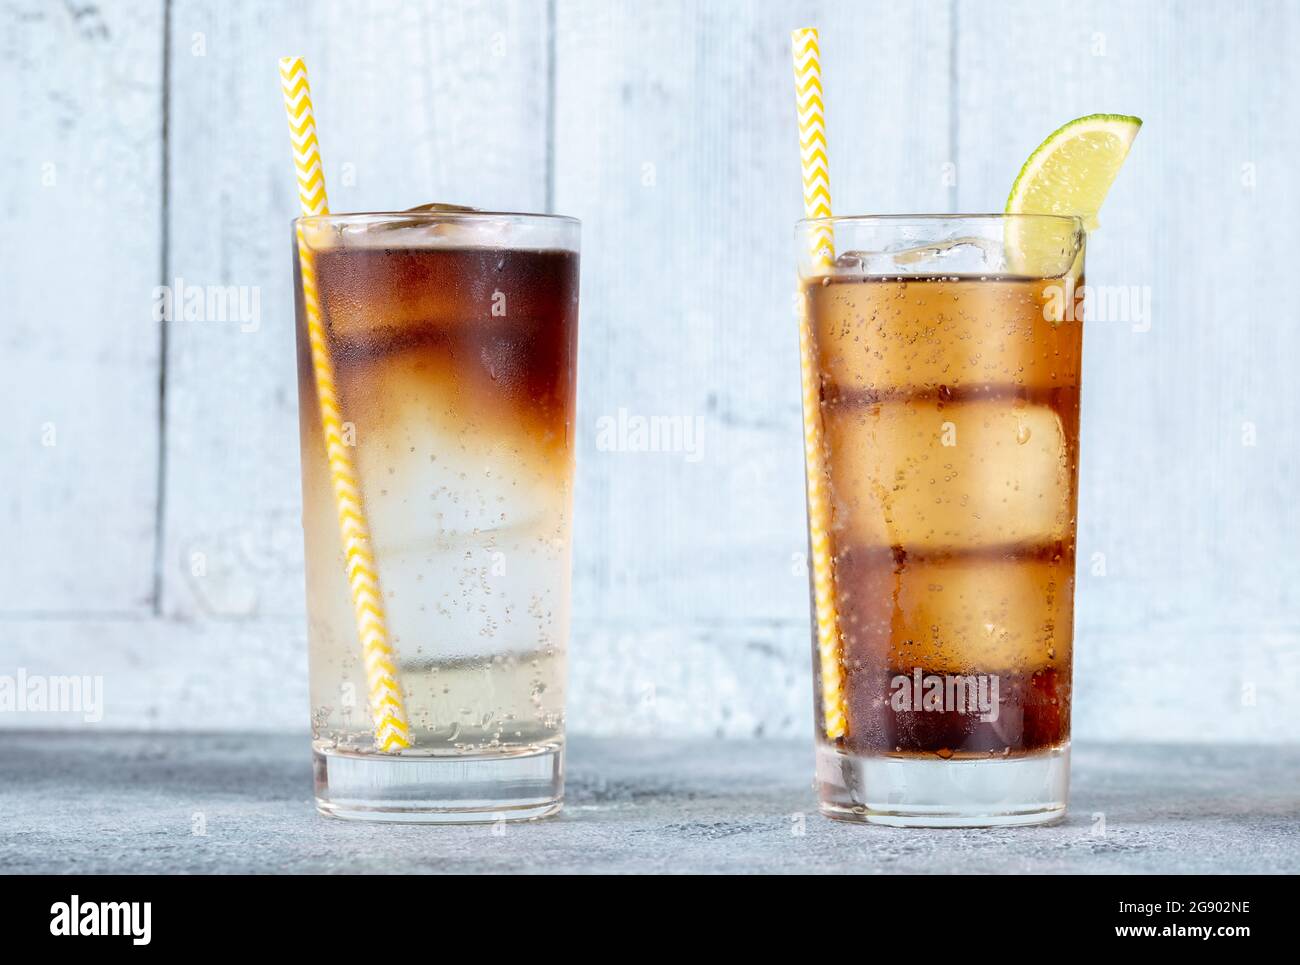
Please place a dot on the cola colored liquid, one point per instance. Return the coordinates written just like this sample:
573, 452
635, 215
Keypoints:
455, 370
489, 333
950, 412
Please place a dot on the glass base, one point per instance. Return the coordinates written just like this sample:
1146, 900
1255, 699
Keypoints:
418, 789
926, 792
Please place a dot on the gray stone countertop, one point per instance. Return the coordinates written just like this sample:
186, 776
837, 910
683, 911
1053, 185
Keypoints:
129, 803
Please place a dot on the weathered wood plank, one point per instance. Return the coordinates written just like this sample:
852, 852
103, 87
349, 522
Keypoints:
415, 102
159, 674
1195, 521
676, 144
80, 92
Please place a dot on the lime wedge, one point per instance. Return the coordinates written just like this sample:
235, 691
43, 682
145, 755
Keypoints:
1070, 173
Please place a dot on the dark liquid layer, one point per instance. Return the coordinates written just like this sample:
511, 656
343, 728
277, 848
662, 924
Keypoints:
1032, 711
490, 332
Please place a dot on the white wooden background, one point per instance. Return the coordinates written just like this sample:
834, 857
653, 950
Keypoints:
145, 140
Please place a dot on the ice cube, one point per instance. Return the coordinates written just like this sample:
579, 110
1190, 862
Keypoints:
923, 474
475, 596
394, 292
882, 335
950, 256
465, 594
956, 615
438, 458
465, 503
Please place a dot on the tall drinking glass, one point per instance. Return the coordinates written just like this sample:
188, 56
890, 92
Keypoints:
437, 508
942, 365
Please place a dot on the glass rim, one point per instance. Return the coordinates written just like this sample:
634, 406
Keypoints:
1074, 219
362, 217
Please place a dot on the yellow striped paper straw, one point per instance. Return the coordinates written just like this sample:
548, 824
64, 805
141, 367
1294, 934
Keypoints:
392, 732
817, 204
